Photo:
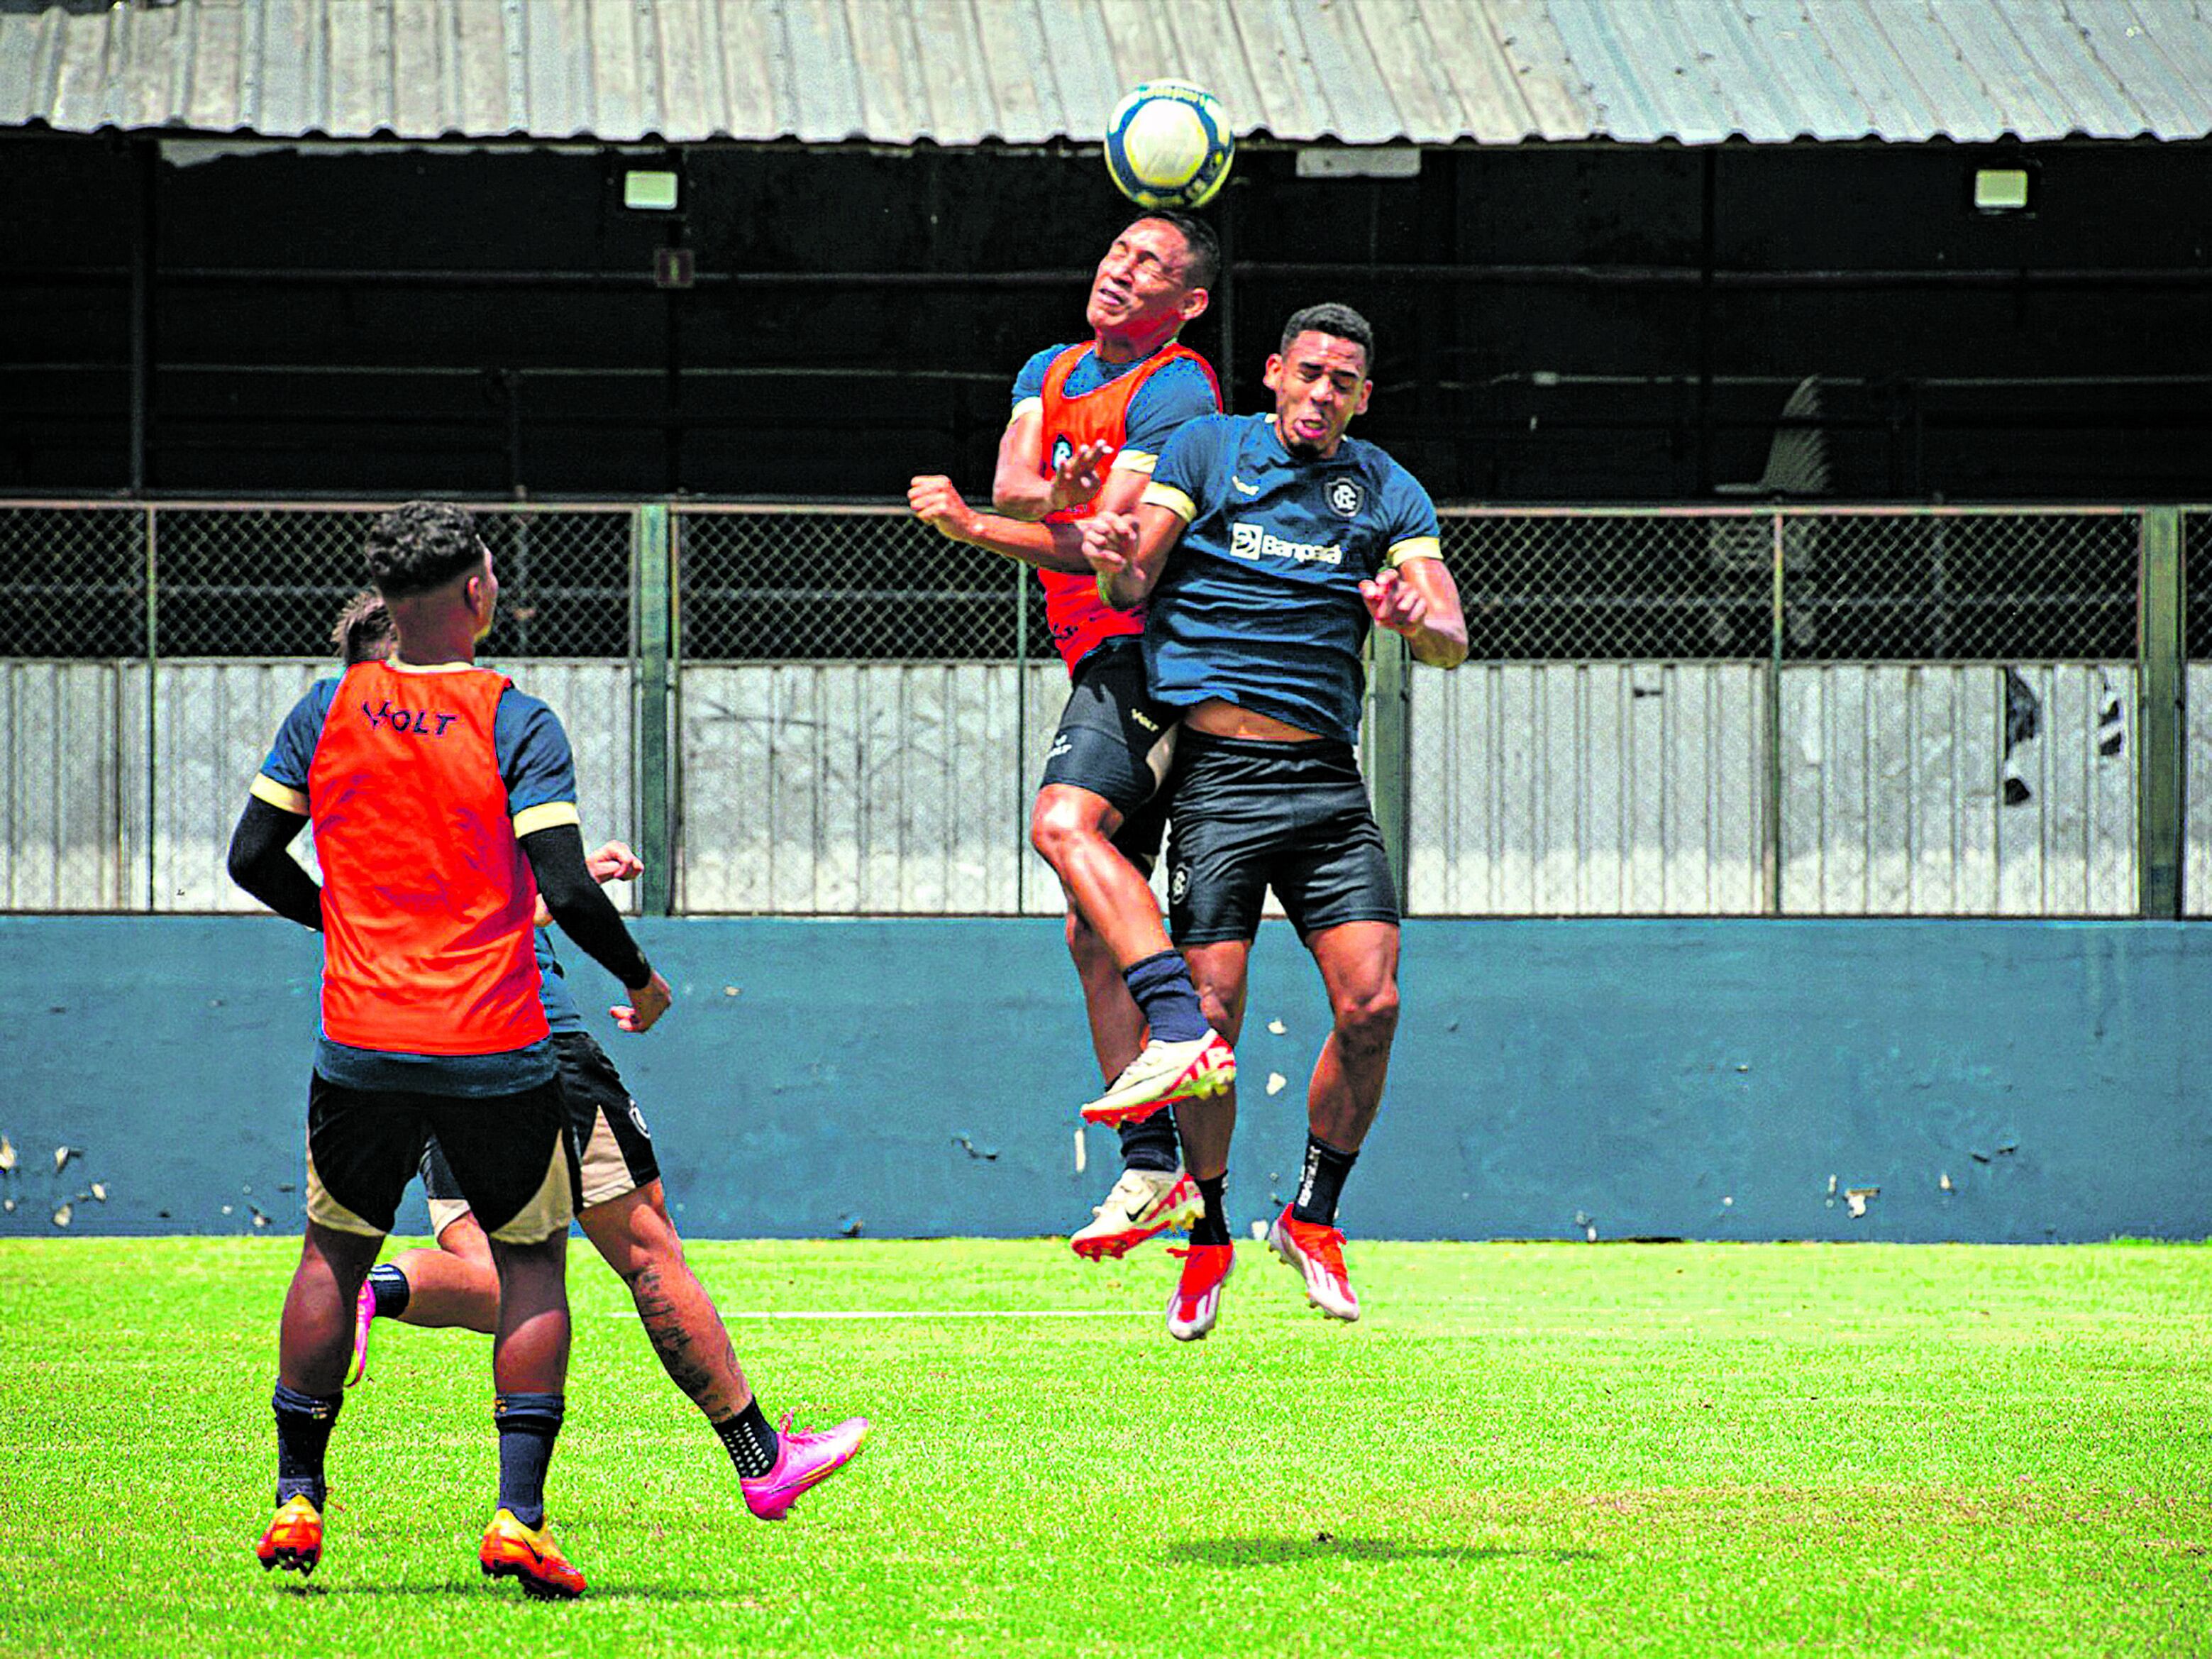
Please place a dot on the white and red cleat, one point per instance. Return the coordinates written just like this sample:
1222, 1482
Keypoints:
1162, 1073
1143, 1204
1196, 1303
1317, 1252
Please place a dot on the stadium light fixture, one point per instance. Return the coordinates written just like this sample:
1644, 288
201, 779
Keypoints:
649, 191
2002, 190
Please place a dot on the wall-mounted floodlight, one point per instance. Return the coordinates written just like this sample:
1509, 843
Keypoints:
2002, 190
649, 191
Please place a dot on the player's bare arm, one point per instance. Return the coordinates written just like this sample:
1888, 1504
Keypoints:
1419, 600
1022, 488
1129, 550
936, 502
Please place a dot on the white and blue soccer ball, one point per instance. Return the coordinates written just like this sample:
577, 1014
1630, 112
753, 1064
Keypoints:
1168, 145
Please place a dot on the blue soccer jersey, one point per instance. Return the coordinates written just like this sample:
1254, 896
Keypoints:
1259, 604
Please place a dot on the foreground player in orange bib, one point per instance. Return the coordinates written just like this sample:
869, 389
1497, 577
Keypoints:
444, 805
1267, 546
1088, 420
621, 1208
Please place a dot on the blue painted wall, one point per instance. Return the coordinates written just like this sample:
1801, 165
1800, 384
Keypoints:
1713, 1080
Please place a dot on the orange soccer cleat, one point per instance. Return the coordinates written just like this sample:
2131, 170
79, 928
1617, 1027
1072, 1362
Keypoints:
295, 1538
510, 1550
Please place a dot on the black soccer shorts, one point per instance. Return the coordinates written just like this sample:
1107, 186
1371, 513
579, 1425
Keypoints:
614, 1148
1250, 815
509, 1154
1115, 741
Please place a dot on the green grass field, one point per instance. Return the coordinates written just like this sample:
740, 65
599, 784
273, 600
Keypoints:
1524, 1450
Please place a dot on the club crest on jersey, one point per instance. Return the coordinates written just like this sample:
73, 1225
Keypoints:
1347, 497
1062, 447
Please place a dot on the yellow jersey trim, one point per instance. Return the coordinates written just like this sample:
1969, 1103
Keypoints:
399, 667
548, 815
1134, 460
1167, 495
1027, 406
282, 797
1415, 547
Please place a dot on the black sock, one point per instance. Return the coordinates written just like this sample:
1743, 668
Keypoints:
388, 1289
1212, 1227
1323, 1181
303, 1435
1151, 1144
1162, 988
528, 1423
752, 1445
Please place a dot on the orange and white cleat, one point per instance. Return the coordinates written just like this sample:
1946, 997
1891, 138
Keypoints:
1196, 1302
510, 1550
1162, 1073
295, 1538
1317, 1252
1143, 1204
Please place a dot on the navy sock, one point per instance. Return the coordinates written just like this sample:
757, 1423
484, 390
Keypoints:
303, 1435
1151, 1144
527, 1425
1212, 1227
387, 1289
752, 1445
1322, 1183
1162, 988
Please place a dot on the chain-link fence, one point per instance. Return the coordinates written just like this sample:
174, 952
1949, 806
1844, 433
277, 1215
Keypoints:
814, 709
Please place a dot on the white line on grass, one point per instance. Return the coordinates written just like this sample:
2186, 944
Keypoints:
927, 1313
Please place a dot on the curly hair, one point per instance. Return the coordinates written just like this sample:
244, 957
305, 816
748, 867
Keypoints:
421, 545
1341, 321
364, 630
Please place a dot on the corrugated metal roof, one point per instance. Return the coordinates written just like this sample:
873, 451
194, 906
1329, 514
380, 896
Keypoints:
1036, 71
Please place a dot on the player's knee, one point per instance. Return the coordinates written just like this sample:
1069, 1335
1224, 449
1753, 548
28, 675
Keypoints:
1366, 1021
1058, 825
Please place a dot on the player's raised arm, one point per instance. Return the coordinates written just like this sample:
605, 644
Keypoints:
1058, 546
1419, 599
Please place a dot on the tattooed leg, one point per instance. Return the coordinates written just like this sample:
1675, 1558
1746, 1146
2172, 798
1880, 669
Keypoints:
639, 1241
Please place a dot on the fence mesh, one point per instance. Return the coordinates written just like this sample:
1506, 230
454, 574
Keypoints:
824, 586
1619, 742
72, 582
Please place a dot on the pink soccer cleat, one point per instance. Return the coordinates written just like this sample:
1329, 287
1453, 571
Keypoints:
364, 1312
802, 1460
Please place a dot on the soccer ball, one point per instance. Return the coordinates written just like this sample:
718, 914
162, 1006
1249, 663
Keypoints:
1168, 145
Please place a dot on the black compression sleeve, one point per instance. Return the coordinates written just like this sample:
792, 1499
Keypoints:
586, 914
261, 864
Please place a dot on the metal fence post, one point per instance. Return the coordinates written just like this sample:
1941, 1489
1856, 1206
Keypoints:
1389, 749
1777, 644
652, 594
2159, 645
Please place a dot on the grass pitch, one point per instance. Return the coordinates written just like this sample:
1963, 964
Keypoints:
1524, 1450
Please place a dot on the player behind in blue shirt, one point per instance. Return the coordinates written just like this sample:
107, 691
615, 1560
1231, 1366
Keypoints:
1265, 547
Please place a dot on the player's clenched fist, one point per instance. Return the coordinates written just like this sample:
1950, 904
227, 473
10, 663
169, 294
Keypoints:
1110, 543
1394, 603
934, 500
648, 1003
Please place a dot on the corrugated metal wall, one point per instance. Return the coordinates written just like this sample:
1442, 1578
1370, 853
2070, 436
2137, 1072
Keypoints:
898, 788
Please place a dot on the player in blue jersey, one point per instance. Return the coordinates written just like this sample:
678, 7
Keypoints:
1088, 420
620, 1206
1265, 548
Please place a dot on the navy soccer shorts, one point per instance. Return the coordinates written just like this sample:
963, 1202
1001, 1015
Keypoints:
1250, 815
509, 1154
1115, 741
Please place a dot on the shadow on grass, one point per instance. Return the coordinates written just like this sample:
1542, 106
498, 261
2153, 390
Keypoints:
453, 1588
1329, 1546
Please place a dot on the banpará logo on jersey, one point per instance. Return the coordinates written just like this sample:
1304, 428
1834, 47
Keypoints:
1256, 542
1347, 497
